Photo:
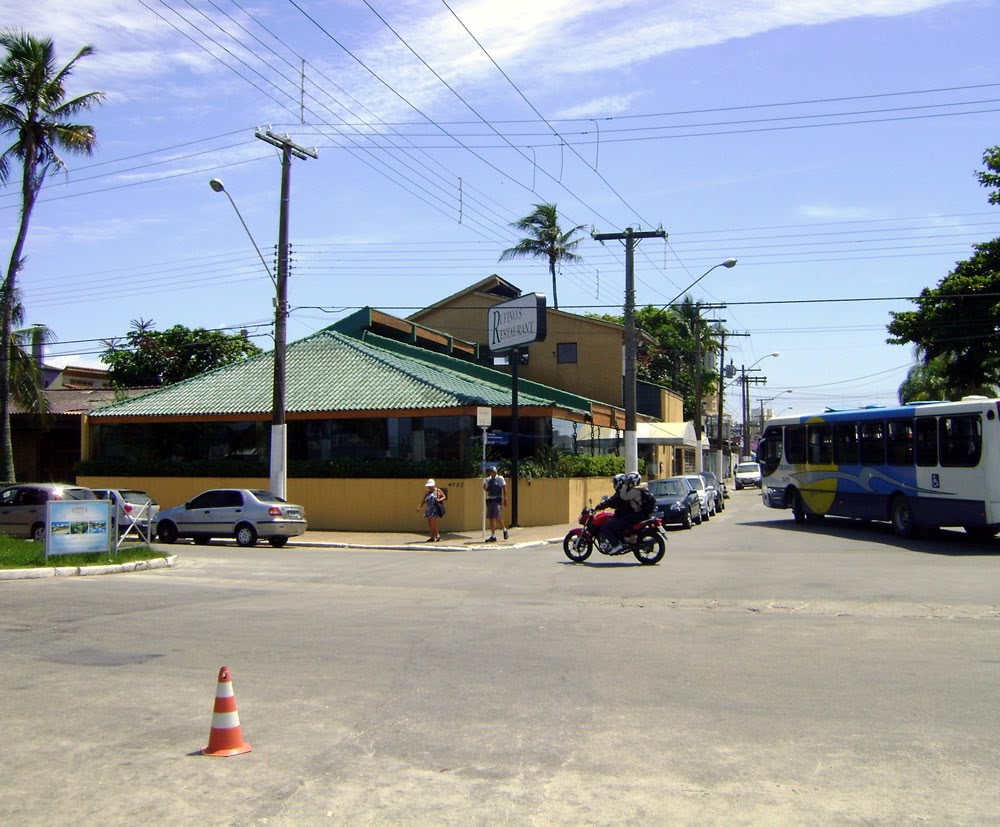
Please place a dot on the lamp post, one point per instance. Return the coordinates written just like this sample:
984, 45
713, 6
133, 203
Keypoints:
279, 470
763, 402
698, 459
744, 451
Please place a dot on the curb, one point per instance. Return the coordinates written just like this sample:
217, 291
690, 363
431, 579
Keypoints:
421, 546
85, 571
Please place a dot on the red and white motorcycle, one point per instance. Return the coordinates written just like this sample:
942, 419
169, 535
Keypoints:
646, 539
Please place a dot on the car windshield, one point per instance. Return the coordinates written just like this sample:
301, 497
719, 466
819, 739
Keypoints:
668, 488
747, 468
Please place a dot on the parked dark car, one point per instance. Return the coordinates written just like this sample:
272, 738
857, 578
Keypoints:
677, 501
716, 488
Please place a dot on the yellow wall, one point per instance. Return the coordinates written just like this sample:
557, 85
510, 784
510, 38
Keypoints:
386, 504
597, 373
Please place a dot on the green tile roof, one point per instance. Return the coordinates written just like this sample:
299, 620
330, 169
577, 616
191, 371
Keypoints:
334, 371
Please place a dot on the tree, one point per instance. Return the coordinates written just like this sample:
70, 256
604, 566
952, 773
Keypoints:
35, 112
926, 382
150, 358
545, 240
26, 381
670, 362
990, 178
957, 322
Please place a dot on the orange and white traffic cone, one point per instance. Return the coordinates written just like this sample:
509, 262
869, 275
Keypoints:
225, 737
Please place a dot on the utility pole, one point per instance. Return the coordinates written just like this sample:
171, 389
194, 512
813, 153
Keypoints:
630, 238
279, 435
747, 381
722, 334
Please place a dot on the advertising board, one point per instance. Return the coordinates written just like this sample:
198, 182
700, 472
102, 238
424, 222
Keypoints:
77, 526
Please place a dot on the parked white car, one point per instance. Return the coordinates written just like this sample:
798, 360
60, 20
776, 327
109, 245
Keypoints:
747, 475
243, 514
130, 508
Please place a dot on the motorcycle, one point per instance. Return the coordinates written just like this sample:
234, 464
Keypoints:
646, 539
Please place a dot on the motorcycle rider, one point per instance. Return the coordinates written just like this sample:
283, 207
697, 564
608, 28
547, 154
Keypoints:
630, 507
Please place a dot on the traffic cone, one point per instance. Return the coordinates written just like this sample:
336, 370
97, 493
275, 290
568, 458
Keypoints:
225, 737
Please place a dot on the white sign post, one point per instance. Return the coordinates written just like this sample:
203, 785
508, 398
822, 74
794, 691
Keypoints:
484, 418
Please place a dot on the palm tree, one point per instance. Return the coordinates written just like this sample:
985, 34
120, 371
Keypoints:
545, 240
33, 110
27, 386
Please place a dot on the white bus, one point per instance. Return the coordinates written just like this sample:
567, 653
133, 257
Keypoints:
919, 466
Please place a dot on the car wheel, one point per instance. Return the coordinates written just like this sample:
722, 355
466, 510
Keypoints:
687, 522
277, 542
246, 535
167, 533
38, 532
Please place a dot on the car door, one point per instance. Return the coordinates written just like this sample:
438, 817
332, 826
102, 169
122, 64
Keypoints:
229, 511
200, 515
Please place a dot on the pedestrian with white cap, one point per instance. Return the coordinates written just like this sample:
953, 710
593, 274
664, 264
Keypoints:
433, 505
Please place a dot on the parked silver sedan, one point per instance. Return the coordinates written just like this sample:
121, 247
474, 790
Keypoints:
244, 514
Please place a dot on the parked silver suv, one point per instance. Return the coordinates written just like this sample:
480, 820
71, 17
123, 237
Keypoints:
22, 507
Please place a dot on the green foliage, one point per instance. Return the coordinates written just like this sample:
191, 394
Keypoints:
670, 362
554, 463
545, 239
927, 383
37, 117
25, 554
955, 324
990, 178
149, 358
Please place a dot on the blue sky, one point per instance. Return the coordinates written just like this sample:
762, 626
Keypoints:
831, 147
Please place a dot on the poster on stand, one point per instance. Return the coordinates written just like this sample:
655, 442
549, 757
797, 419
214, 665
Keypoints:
77, 527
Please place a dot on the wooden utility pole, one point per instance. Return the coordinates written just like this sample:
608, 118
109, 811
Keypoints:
279, 436
630, 238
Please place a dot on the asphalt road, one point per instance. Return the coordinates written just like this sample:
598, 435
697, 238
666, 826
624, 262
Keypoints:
763, 673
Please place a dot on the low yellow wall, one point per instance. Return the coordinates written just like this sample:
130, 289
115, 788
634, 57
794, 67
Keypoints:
386, 504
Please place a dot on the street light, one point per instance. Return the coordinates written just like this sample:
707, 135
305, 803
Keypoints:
699, 462
279, 471
746, 402
217, 186
763, 402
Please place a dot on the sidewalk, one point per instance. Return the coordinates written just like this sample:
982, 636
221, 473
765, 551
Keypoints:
526, 537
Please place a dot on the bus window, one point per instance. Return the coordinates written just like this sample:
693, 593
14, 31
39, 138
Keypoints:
899, 439
961, 440
820, 444
845, 443
795, 444
769, 451
927, 449
871, 436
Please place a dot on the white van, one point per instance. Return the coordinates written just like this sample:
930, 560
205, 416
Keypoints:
747, 475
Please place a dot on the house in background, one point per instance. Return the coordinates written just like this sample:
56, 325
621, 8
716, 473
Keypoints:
581, 355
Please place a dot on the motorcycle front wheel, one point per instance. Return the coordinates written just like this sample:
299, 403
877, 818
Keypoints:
651, 549
578, 545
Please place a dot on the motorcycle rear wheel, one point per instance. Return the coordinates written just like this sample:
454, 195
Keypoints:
577, 545
651, 549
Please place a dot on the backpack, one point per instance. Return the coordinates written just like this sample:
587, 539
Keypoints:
647, 502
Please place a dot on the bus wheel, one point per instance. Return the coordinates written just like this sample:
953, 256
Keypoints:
902, 517
798, 508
